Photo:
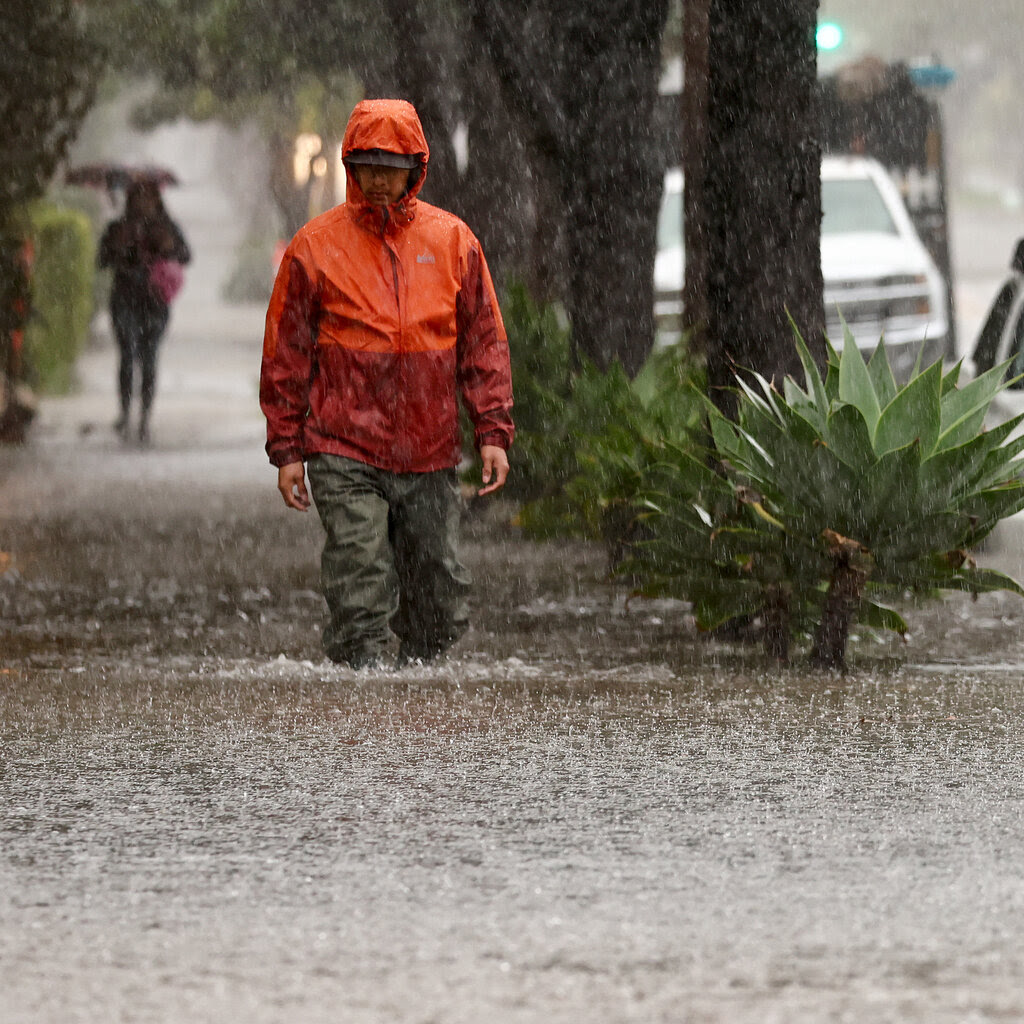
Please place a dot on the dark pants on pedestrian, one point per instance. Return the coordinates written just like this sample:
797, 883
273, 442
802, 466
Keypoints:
390, 563
139, 324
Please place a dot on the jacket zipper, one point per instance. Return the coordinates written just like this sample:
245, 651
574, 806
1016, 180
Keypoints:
394, 278
394, 266
398, 305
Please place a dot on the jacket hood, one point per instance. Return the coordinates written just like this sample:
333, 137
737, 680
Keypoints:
393, 125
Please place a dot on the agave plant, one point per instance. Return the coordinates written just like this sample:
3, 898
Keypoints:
827, 496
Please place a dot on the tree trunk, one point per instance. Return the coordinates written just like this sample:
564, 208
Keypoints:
694, 114
582, 78
612, 170
841, 602
762, 189
776, 617
424, 74
506, 187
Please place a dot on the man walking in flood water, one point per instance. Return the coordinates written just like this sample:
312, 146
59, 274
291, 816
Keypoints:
383, 314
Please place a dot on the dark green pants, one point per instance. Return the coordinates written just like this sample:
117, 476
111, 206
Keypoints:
390, 563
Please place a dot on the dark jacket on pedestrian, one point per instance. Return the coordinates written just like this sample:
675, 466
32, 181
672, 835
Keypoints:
142, 236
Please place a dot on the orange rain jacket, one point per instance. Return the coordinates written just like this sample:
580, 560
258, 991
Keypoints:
378, 320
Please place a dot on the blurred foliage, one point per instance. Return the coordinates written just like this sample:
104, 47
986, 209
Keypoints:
286, 69
234, 51
542, 383
586, 438
92, 205
816, 501
47, 80
61, 294
289, 67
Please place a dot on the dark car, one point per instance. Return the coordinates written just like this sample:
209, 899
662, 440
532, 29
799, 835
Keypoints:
1002, 334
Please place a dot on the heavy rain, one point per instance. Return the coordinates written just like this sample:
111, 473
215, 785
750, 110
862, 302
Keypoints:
589, 810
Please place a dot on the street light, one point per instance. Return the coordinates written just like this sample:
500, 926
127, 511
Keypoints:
829, 36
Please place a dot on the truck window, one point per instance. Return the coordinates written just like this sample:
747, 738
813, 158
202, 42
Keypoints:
670, 220
854, 204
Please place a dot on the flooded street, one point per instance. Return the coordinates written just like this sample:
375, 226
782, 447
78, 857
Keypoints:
588, 813
510, 842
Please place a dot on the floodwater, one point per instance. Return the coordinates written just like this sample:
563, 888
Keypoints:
588, 814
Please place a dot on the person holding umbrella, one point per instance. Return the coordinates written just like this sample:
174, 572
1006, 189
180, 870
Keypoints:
145, 249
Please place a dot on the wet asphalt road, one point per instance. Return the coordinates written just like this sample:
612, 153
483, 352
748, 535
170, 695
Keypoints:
588, 814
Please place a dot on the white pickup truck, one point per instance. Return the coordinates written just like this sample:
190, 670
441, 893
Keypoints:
878, 274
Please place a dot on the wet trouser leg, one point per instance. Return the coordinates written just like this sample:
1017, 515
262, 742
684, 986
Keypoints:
356, 573
433, 585
149, 344
389, 559
125, 373
124, 331
139, 326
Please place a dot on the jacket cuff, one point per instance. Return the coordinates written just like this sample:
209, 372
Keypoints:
285, 456
498, 440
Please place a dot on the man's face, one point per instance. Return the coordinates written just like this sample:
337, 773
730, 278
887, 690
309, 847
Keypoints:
381, 185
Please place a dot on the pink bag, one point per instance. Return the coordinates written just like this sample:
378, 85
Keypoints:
166, 278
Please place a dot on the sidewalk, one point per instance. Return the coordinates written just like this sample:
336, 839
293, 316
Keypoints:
206, 423
207, 385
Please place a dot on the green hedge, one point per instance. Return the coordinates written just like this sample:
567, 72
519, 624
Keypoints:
62, 295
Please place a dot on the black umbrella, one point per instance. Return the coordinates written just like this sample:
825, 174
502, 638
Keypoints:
118, 176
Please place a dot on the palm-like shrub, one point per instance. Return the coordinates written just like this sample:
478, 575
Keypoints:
542, 375
615, 430
586, 438
817, 500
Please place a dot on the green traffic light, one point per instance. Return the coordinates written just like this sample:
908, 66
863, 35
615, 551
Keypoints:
829, 36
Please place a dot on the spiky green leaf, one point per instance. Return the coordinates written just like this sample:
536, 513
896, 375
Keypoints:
847, 435
951, 379
881, 375
891, 495
913, 414
879, 616
855, 384
963, 406
815, 385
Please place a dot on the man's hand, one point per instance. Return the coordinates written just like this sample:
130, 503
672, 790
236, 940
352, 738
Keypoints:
291, 482
495, 462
